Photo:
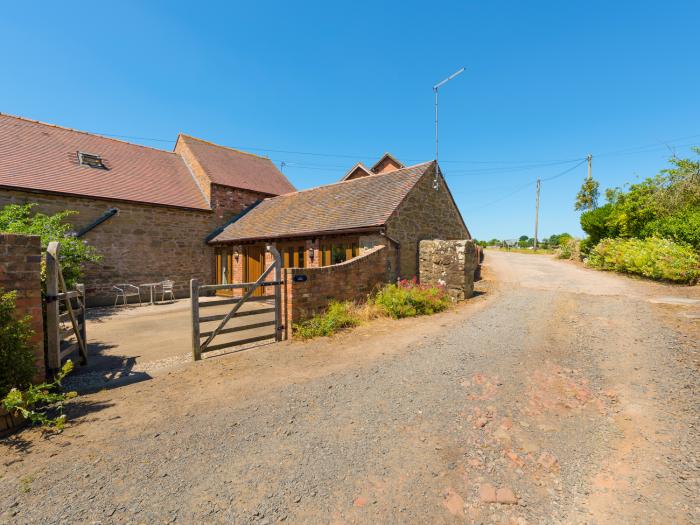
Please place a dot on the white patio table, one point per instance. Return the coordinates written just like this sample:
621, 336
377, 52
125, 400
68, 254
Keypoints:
151, 287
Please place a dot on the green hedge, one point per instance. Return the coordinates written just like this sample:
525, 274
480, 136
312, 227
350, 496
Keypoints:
654, 257
682, 227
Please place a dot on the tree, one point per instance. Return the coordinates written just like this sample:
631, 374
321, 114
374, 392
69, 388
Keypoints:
558, 239
16, 218
666, 205
587, 197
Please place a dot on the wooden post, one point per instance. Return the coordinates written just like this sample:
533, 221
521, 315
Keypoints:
71, 315
537, 213
194, 304
278, 296
82, 313
52, 334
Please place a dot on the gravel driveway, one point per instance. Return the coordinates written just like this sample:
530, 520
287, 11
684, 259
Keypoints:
561, 395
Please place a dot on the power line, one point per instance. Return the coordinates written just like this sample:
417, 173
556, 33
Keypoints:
572, 168
504, 165
524, 186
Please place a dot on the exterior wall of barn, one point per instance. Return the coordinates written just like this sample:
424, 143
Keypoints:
227, 201
142, 243
424, 214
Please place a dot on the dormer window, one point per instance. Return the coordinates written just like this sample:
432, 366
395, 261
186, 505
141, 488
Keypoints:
91, 160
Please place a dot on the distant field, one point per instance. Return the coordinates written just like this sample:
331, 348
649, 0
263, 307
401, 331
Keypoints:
547, 251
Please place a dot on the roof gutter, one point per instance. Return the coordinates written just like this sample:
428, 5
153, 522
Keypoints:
233, 219
94, 224
306, 234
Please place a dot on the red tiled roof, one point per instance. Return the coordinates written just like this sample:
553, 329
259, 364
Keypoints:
364, 202
44, 157
230, 167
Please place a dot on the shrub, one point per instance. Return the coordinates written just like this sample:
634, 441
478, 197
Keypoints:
15, 218
596, 224
336, 317
653, 257
571, 249
16, 355
34, 402
408, 299
682, 227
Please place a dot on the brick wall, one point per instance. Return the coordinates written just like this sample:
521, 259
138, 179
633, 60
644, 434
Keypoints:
424, 214
348, 281
226, 201
20, 270
451, 264
196, 169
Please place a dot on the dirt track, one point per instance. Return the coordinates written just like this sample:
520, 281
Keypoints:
562, 392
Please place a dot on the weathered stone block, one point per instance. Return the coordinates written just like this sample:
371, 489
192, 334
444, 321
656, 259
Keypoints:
450, 264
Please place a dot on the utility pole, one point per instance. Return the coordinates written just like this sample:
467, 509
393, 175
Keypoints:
435, 90
590, 162
537, 211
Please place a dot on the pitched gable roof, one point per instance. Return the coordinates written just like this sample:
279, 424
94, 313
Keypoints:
358, 170
354, 204
387, 160
44, 157
231, 167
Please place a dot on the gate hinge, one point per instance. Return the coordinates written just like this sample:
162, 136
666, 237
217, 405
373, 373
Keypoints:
51, 298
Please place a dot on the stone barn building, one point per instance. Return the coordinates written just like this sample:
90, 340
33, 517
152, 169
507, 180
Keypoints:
388, 204
148, 212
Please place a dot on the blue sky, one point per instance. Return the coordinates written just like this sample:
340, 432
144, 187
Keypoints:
545, 82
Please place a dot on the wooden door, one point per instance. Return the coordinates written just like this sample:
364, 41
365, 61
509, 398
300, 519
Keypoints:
254, 266
224, 269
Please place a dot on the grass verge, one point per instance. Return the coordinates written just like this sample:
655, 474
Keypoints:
405, 299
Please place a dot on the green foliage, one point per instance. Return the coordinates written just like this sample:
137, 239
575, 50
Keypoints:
34, 401
666, 205
682, 227
558, 239
524, 241
653, 257
587, 197
408, 299
15, 218
595, 223
16, 355
630, 211
336, 317
570, 249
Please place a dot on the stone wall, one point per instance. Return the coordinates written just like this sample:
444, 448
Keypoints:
424, 214
349, 281
142, 243
451, 264
20, 270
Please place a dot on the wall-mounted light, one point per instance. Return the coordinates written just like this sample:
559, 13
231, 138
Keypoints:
236, 254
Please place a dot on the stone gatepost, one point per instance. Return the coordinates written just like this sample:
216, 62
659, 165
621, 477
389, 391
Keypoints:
450, 264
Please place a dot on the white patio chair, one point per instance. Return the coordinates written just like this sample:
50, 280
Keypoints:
167, 289
125, 291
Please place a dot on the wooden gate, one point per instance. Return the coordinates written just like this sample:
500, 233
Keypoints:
65, 313
253, 294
